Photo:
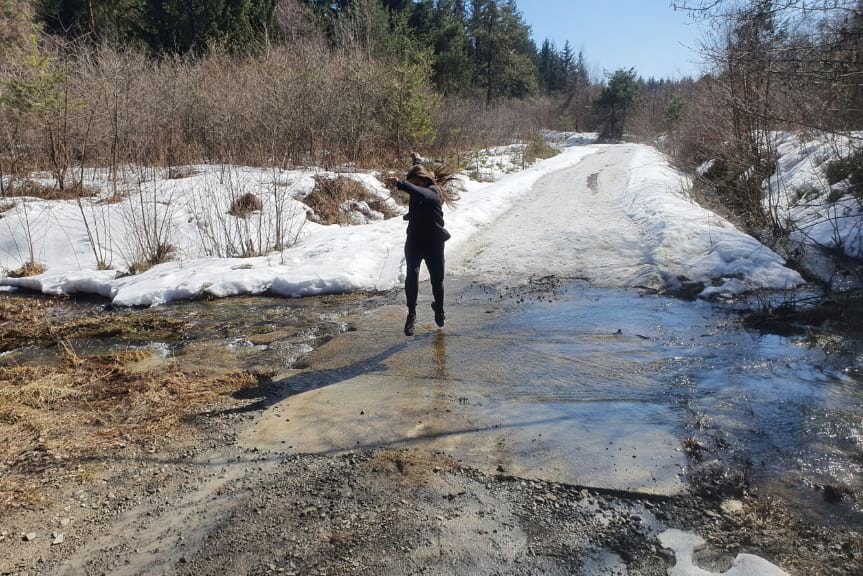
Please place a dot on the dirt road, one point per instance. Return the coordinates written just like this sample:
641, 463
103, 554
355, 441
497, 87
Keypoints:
559, 424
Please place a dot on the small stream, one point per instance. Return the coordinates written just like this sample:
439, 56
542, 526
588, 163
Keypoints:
785, 412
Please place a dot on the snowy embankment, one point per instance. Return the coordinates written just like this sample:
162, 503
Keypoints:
214, 253
686, 242
802, 198
193, 213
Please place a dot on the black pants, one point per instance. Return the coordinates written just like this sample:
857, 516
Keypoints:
417, 250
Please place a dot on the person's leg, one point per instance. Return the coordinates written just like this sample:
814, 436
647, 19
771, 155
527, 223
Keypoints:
435, 263
414, 258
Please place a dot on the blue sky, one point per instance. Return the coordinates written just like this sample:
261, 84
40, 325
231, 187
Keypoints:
646, 34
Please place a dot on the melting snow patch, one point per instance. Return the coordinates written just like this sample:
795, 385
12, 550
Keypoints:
686, 240
683, 545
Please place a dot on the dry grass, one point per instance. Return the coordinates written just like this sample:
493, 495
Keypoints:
38, 322
33, 189
27, 269
160, 254
54, 415
245, 205
329, 198
57, 414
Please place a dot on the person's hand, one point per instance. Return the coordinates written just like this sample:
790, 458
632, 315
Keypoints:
391, 181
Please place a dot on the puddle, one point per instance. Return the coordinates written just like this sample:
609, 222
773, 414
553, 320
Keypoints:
260, 334
589, 386
560, 381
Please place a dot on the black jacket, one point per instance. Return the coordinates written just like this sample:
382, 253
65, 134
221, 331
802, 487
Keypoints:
425, 215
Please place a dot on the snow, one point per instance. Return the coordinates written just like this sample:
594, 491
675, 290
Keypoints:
620, 218
683, 545
798, 194
216, 254
571, 138
705, 167
691, 242
327, 259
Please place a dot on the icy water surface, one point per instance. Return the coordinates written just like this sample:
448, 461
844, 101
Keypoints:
563, 377
785, 412
608, 388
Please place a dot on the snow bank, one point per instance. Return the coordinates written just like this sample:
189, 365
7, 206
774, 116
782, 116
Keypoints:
683, 545
800, 196
571, 138
327, 259
686, 241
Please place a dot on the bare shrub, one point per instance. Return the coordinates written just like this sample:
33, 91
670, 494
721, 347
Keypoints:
243, 206
33, 189
149, 219
849, 167
239, 216
333, 199
158, 254
28, 269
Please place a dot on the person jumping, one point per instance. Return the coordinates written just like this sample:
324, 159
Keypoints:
426, 234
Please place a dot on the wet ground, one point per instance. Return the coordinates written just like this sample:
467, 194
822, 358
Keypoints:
554, 426
533, 402
601, 388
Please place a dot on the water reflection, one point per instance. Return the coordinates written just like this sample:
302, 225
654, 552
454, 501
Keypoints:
439, 356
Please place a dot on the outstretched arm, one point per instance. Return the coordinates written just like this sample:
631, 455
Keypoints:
422, 192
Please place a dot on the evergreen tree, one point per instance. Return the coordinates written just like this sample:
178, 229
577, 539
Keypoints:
453, 67
567, 66
615, 102
182, 26
502, 49
16, 29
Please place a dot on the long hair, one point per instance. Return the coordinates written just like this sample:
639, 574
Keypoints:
444, 177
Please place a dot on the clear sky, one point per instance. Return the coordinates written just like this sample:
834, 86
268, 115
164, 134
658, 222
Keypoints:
646, 34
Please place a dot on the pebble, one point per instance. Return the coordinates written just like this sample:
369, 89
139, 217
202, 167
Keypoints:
29, 536
58, 538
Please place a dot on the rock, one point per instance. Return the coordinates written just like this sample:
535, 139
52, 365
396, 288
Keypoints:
58, 538
732, 506
65, 521
29, 536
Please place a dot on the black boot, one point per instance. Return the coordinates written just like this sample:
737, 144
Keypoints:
439, 316
410, 324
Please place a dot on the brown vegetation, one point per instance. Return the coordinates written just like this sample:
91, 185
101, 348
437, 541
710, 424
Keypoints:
159, 254
32, 189
245, 205
54, 414
27, 269
331, 199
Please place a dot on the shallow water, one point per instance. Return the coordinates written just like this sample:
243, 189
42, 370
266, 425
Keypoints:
785, 411
610, 380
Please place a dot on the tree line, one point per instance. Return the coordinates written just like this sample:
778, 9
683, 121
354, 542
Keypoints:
481, 47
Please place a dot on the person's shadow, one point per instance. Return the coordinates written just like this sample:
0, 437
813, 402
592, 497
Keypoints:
268, 392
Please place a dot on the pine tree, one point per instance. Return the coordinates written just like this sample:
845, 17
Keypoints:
615, 102
567, 66
453, 67
182, 26
503, 51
